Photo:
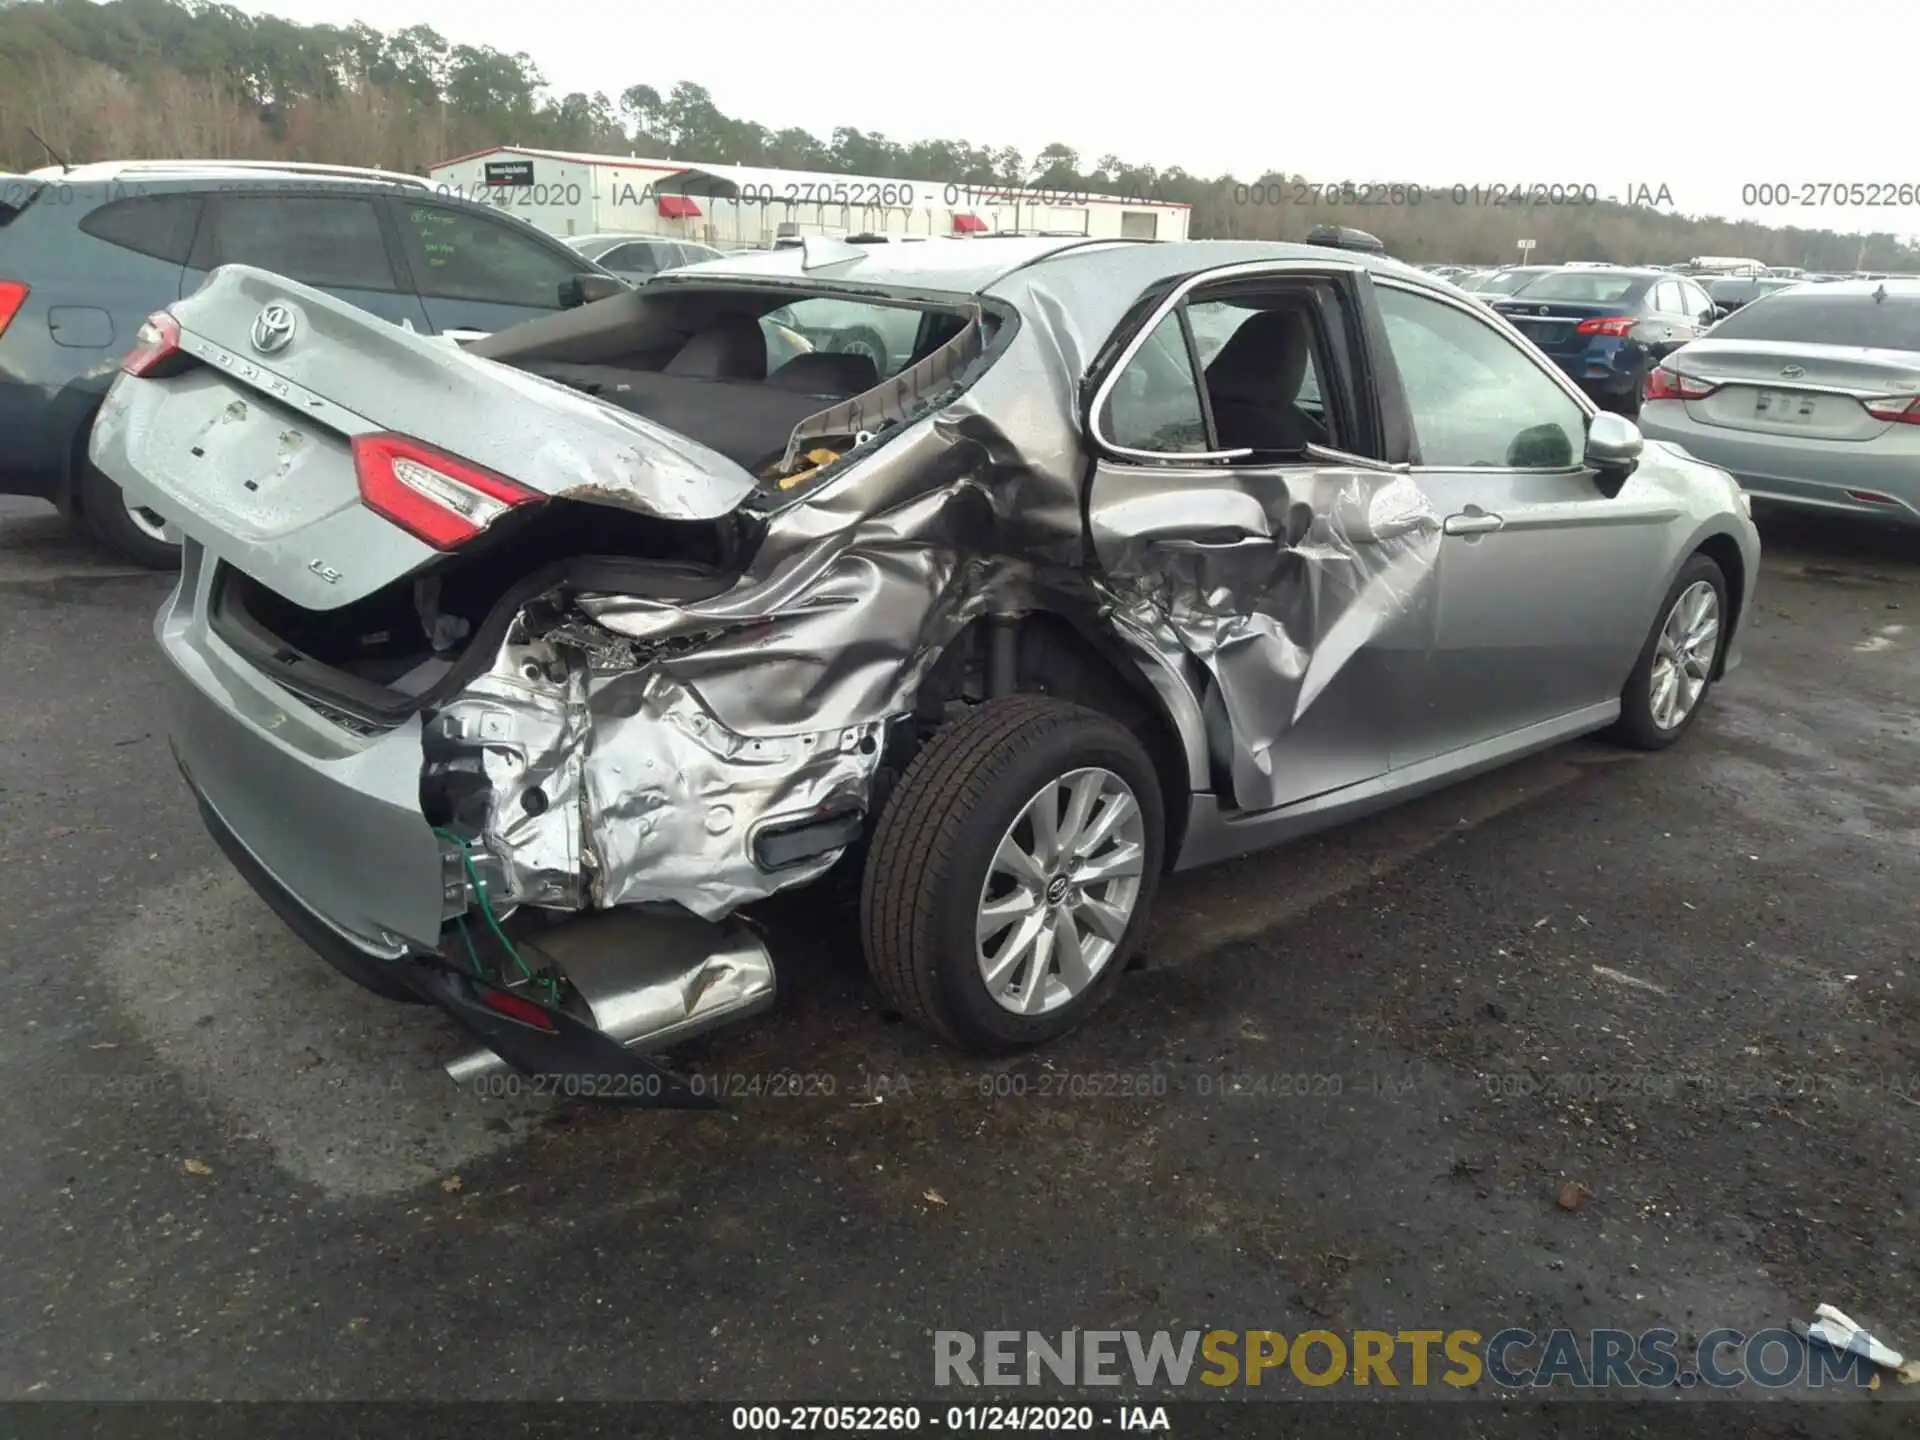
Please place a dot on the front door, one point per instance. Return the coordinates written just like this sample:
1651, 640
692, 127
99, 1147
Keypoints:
1541, 574
1293, 584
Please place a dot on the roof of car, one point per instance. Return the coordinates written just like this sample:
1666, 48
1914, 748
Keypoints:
104, 171
1904, 287
967, 267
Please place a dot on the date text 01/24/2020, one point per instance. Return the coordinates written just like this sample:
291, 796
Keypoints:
1376, 194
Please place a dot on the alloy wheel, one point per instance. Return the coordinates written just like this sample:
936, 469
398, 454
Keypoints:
1684, 654
1060, 891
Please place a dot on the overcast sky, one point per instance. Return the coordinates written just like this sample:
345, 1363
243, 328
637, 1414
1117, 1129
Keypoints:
1703, 97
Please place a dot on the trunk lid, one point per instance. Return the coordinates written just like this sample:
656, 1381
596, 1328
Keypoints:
249, 452
1813, 392
1553, 325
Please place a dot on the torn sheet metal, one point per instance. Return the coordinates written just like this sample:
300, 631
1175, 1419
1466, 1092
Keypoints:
674, 799
518, 736
701, 721
1273, 590
607, 783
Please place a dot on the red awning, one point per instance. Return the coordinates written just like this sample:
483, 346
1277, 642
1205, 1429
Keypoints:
676, 207
969, 225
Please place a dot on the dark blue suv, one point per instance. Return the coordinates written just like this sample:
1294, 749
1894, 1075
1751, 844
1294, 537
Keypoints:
86, 254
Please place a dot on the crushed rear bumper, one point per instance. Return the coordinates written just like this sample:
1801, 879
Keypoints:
640, 982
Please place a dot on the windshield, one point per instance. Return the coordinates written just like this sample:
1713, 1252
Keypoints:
1594, 287
1819, 317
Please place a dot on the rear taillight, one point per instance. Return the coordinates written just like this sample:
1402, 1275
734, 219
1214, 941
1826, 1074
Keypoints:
1615, 325
1901, 409
154, 345
1665, 384
428, 493
12, 296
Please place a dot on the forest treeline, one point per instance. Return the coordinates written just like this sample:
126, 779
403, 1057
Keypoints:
186, 78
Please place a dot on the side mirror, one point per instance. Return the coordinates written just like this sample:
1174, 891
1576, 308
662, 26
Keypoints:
1613, 450
577, 290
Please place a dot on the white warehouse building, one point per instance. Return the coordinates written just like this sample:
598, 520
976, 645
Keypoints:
731, 206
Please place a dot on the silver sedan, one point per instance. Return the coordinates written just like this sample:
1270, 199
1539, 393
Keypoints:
1810, 397
509, 674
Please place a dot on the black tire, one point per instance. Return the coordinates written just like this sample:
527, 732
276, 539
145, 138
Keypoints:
936, 839
1637, 726
104, 509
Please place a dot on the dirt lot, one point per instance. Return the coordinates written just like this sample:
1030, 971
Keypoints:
1349, 1089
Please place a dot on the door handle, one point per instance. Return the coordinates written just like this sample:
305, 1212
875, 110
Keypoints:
1466, 524
1213, 547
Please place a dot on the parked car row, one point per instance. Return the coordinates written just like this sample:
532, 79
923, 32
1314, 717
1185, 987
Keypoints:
1806, 387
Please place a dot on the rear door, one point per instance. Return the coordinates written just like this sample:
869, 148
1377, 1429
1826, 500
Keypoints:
333, 242
1545, 585
477, 273
1293, 580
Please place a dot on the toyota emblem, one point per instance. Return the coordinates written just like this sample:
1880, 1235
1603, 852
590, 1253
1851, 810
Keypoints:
1791, 372
1544, 309
273, 329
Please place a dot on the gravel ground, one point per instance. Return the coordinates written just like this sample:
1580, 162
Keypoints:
1600, 1040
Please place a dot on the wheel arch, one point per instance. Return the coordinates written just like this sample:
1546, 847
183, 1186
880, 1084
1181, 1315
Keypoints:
1065, 656
1725, 552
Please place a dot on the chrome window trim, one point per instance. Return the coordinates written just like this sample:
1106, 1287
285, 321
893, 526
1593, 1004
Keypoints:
1245, 270
1498, 323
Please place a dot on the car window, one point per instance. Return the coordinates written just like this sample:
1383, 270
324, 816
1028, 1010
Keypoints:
1815, 316
1595, 287
1695, 299
635, 259
1666, 298
461, 256
1215, 322
1155, 402
1475, 396
324, 240
158, 225
886, 334
1509, 282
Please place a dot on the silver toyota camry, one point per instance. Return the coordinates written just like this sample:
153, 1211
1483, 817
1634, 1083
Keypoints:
510, 674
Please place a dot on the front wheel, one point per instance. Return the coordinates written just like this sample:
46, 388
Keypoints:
1011, 873
1669, 684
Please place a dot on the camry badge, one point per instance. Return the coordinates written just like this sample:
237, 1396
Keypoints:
273, 329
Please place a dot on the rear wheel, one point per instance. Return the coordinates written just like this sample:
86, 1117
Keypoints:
1669, 685
129, 531
1012, 871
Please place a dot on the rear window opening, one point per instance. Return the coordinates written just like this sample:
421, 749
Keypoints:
405, 646
743, 370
